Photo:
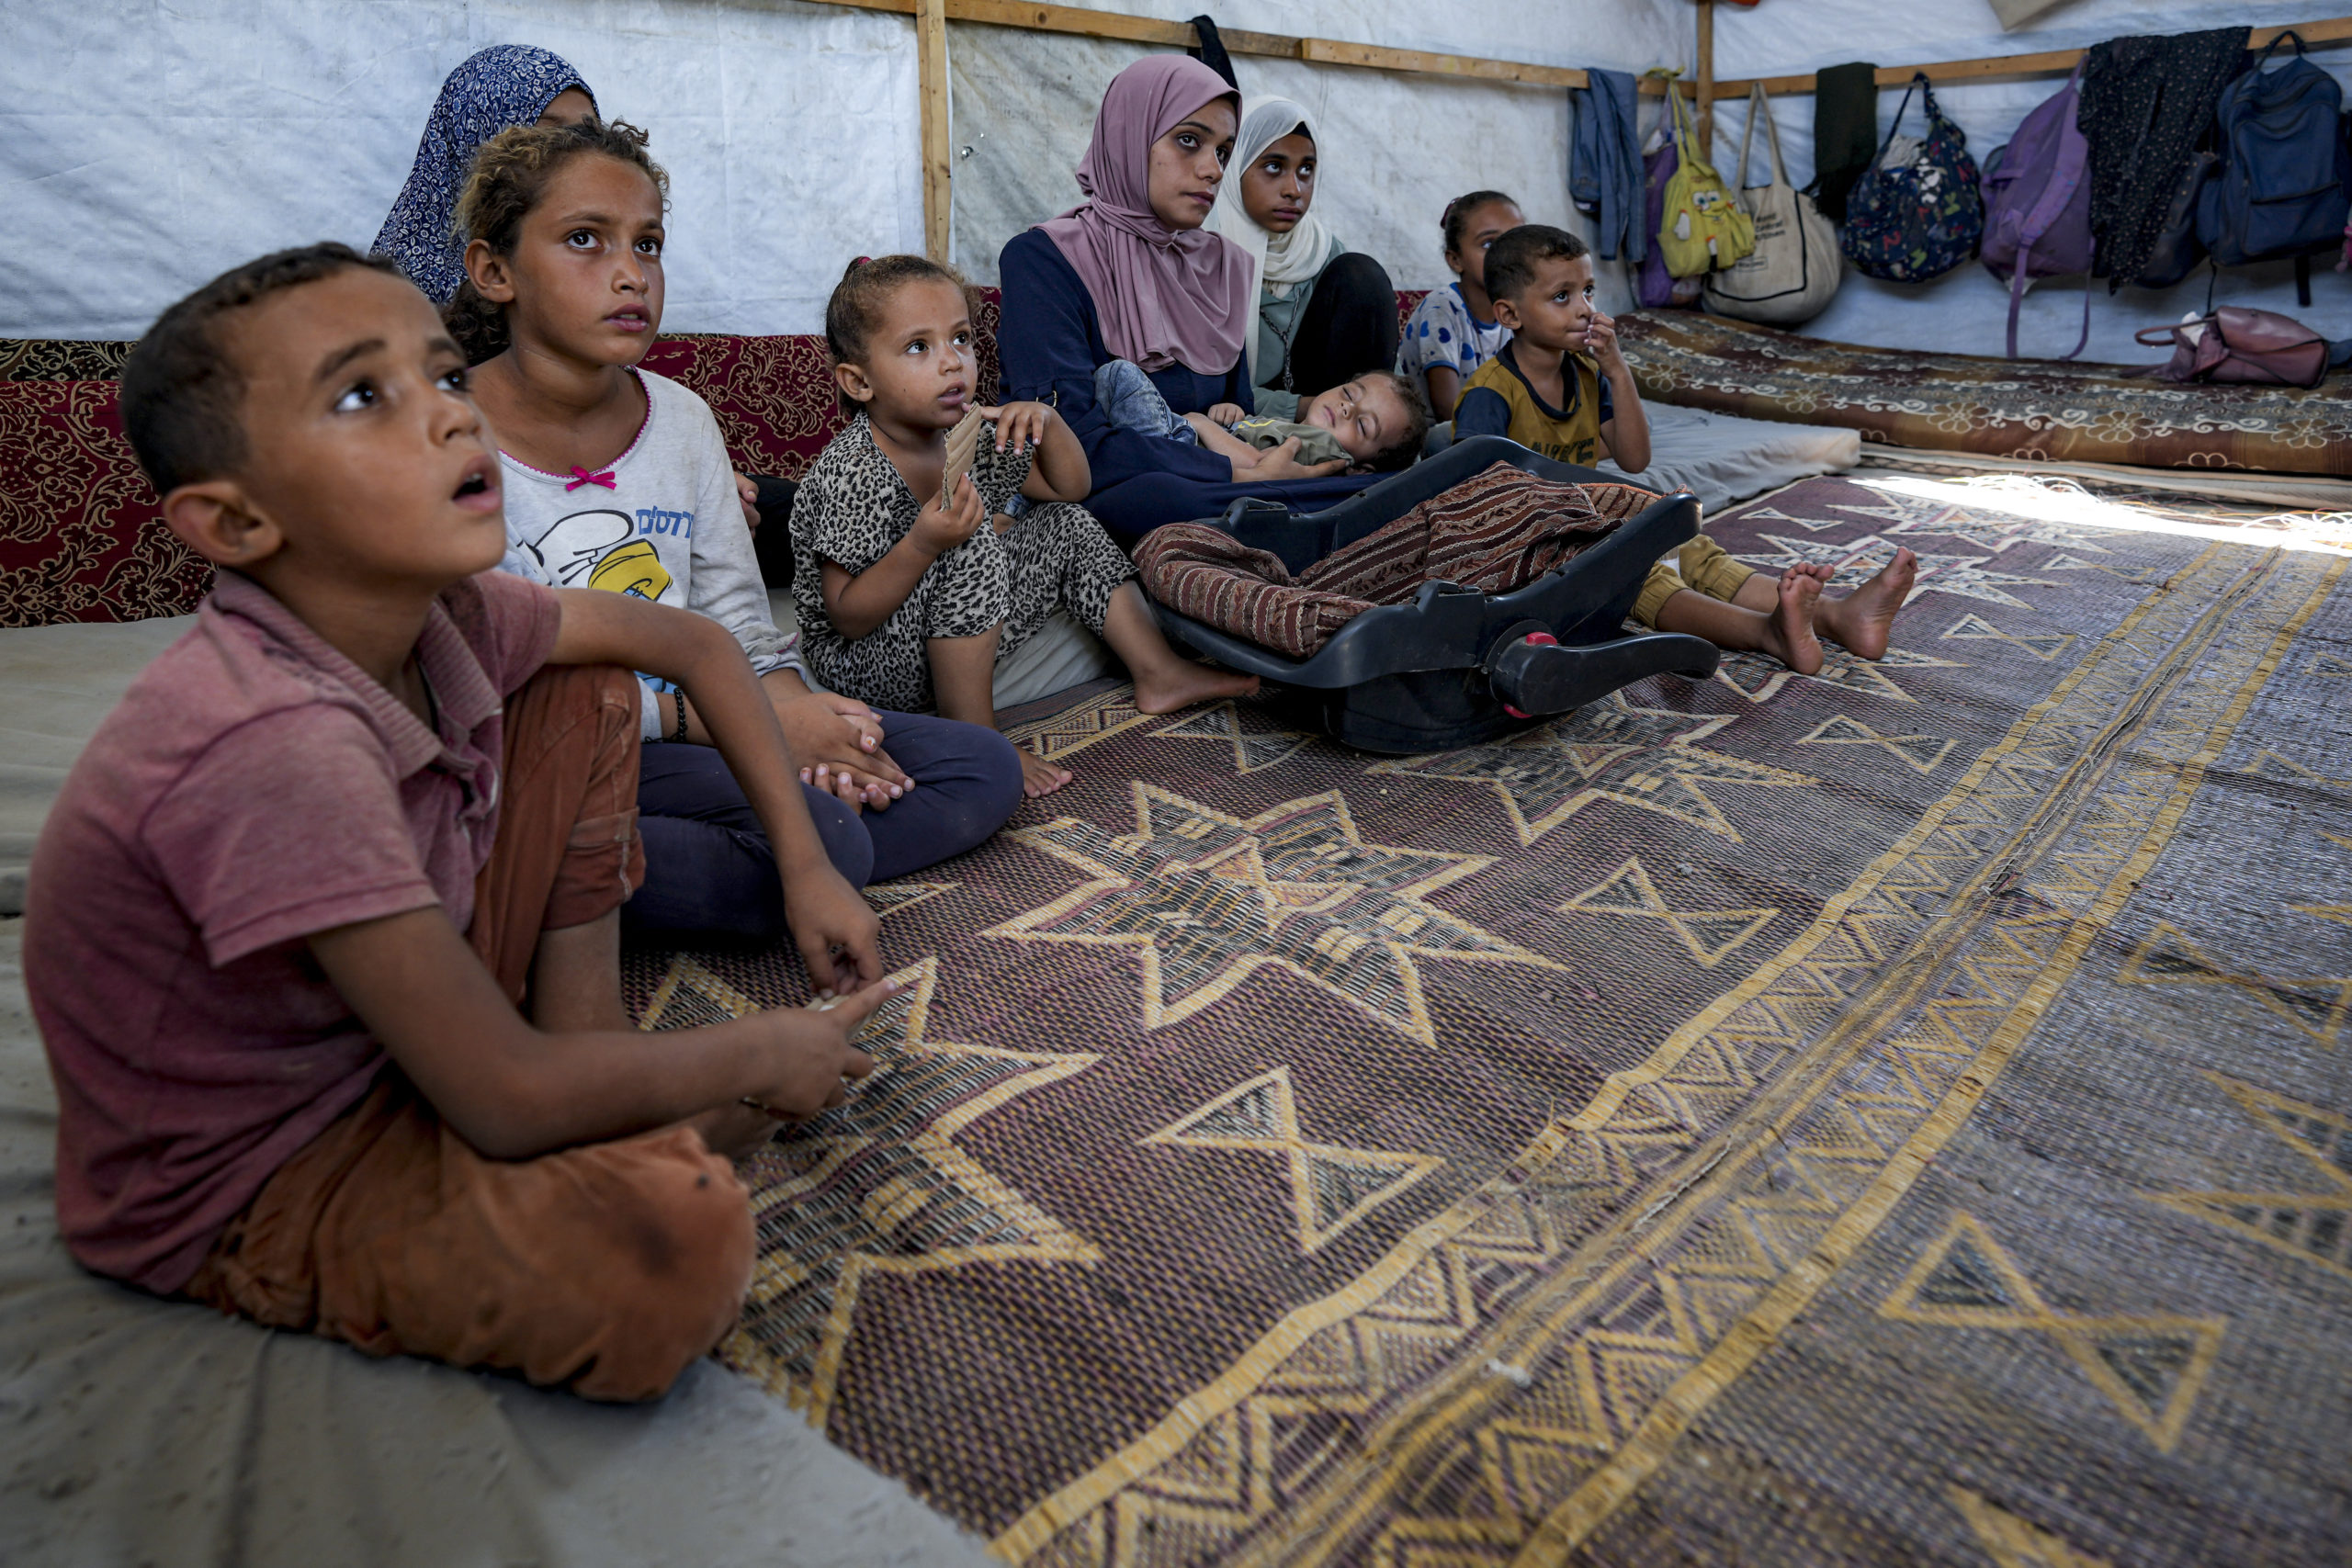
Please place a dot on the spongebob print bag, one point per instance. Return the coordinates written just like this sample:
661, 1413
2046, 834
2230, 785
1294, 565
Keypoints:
1918, 209
1703, 228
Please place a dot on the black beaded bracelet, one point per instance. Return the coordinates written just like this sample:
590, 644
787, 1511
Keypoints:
680, 698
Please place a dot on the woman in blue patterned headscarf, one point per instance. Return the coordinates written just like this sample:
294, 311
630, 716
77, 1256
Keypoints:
504, 85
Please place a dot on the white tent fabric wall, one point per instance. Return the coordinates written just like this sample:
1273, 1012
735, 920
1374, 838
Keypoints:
1394, 148
1964, 311
152, 145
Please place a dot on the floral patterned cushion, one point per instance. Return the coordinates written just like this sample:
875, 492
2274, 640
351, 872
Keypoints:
81, 536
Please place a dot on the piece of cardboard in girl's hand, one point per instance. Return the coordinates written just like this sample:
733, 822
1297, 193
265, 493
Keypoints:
963, 445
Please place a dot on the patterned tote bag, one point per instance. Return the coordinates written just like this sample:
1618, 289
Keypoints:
1918, 211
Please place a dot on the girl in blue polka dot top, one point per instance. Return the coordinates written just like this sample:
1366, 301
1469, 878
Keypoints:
1452, 330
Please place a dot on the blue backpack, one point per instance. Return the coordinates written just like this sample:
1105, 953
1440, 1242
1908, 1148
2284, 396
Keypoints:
2280, 189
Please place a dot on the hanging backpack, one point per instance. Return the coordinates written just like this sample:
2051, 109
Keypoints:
1793, 272
1916, 212
2281, 189
1703, 227
2037, 205
1659, 287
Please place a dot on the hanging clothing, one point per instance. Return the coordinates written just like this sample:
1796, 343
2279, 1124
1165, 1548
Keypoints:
1605, 170
506, 84
2145, 102
1165, 295
1844, 133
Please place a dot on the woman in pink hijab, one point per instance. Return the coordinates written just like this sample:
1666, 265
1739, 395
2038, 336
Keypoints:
1131, 274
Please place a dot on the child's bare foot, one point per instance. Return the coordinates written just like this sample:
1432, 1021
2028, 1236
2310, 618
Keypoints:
1038, 776
735, 1132
1183, 682
1788, 635
1864, 619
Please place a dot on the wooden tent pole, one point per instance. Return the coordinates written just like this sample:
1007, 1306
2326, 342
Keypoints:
1279, 46
1706, 71
938, 168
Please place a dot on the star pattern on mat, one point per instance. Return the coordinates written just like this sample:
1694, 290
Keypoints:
2014, 1543
1921, 753
1332, 1186
879, 1185
1206, 901
2314, 1227
1774, 514
1760, 678
1857, 561
2150, 1366
1641, 757
1710, 935
1983, 524
2316, 1005
1256, 743
890, 899
2042, 645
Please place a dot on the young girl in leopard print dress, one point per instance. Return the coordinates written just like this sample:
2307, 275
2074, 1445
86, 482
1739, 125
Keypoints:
910, 591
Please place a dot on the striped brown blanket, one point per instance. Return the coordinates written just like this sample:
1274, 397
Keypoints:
1495, 531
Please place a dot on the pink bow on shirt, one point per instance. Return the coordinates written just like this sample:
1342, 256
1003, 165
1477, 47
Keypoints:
583, 477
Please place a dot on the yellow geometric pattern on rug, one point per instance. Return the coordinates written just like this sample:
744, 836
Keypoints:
1921, 753
1206, 901
2152, 1365
1256, 743
878, 1187
1332, 1186
1983, 520
1759, 679
1805, 1190
2042, 645
2014, 1543
2312, 1227
1709, 934
1643, 757
2316, 1005
1855, 562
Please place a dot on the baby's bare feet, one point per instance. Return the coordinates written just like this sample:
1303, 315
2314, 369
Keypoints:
1040, 778
1790, 631
1864, 619
1183, 683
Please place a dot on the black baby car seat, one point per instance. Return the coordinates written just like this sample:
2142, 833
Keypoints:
1457, 667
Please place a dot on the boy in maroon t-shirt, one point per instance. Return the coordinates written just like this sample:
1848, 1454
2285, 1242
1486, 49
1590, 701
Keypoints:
322, 934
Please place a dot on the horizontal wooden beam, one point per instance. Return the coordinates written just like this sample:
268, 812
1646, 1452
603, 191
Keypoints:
1332, 51
1996, 67
1088, 23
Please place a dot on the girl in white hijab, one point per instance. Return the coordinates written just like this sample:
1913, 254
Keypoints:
1324, 312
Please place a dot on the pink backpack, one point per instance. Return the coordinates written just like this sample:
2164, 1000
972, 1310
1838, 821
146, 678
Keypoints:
2037, 205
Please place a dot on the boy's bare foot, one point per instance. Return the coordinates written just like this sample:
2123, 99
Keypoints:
1038, 776
1788, 635
1864, 619
1183, 683
735, 1132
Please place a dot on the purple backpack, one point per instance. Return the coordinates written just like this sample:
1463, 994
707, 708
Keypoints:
2037, 205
